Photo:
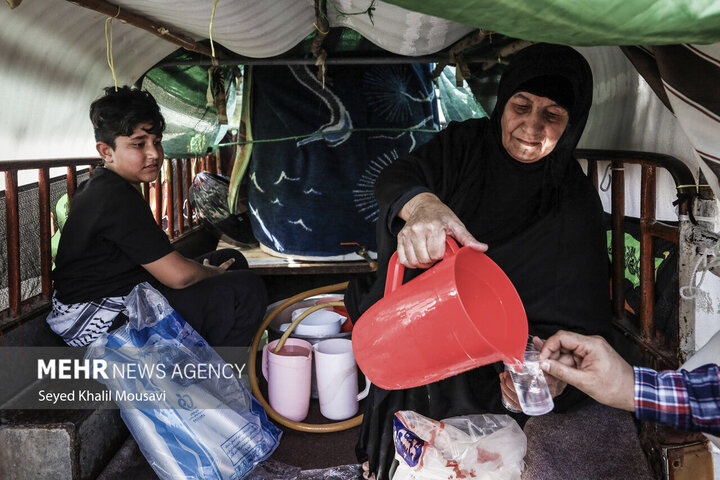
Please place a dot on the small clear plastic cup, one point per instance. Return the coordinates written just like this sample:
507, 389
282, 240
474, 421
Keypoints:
530, 385
507, 404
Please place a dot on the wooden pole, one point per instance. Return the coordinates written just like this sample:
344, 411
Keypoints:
111, 10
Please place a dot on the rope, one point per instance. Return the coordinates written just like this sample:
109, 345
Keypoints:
689, 292
605, 183
322, 25
328, 132
369, 11
319, 30
109, 46
212, 18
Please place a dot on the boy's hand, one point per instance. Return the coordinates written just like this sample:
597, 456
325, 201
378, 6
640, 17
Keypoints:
223, 266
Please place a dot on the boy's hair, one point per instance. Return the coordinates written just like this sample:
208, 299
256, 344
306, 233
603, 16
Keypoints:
118, 113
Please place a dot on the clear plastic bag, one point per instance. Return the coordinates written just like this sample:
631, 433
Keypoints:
487, 447
187, 426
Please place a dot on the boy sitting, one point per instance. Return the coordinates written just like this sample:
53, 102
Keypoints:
110, 242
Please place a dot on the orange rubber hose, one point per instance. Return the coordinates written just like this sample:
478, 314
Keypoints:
300, 426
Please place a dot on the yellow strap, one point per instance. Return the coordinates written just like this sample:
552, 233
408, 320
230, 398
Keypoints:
686, 186
109, 45
212, 17
318, 29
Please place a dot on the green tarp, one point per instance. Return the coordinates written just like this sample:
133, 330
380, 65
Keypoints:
584, 22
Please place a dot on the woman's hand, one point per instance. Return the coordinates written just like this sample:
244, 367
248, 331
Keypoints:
421, 242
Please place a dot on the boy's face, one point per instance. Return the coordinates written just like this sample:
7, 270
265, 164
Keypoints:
136, 158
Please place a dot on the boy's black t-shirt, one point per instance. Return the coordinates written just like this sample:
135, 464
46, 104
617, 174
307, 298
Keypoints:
108, 235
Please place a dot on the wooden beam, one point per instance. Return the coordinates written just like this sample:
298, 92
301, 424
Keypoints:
111, 10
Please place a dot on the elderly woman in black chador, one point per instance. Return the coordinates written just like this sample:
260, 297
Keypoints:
511, 182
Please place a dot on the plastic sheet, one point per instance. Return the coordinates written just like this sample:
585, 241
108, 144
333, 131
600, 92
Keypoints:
488, 447
208, 197
202, 428
274, 470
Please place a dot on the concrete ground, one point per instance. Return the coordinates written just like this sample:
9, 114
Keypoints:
300, 456
130, 463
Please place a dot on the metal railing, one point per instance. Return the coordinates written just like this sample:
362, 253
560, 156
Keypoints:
169, 203
659, 351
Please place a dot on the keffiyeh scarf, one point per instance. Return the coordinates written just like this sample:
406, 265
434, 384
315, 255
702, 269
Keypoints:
80, 324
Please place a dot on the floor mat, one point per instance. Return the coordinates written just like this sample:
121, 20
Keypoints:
595, 442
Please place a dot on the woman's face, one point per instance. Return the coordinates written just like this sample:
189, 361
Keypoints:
531, 126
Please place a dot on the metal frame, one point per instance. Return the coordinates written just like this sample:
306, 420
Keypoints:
657, 351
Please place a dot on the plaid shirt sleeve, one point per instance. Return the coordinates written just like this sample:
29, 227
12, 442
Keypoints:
685, 400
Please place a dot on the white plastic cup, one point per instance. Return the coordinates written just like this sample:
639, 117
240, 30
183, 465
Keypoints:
337, 379
530, 384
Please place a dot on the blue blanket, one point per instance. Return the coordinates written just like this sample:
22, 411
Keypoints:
313, 192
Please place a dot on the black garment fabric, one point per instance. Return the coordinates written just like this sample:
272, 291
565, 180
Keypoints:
542, 222
109, 234
226, 309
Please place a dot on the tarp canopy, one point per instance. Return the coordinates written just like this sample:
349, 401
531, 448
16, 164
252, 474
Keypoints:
55, 55
584, 22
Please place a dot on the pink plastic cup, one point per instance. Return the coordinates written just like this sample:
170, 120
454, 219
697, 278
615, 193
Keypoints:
288, 376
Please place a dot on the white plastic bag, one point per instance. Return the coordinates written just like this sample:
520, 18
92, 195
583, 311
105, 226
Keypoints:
188, 428
485, 447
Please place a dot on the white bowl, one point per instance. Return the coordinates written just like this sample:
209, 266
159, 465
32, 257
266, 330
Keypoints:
320, 323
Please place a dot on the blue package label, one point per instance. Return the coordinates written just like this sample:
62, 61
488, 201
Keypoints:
408, 445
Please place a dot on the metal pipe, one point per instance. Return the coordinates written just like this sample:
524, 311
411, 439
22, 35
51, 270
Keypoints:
158, 197
593, 173
71, 182
618, 238
31, 164
45, 243
647, 277
170, 206
179, 196
13, 240
189, 166
329, 61
663, 230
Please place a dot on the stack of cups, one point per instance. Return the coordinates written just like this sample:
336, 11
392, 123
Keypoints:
530, 385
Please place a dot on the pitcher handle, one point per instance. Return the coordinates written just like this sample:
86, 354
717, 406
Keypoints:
396, 270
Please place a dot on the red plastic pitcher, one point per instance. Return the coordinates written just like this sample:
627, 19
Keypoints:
460, 314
